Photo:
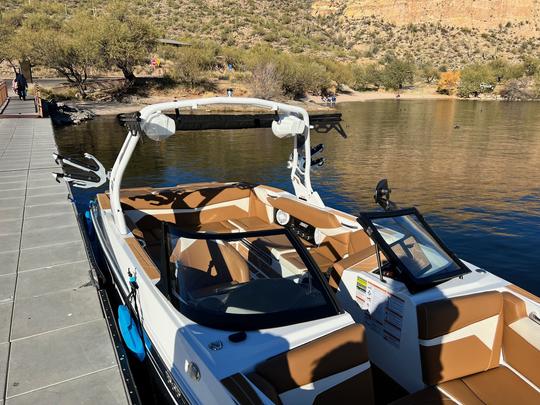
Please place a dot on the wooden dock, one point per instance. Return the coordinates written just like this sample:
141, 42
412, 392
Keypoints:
55, 345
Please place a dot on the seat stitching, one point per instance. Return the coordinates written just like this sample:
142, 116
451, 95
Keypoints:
470, 389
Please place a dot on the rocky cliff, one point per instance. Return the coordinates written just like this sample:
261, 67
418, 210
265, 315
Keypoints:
480, 14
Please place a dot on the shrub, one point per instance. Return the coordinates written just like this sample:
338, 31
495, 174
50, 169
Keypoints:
300, 75
448, 82
476, 79
517, 89
265, 81
190, 66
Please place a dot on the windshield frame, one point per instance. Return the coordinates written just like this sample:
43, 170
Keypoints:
412, 282
245, 322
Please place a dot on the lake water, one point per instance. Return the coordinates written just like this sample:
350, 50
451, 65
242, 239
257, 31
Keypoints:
472, 168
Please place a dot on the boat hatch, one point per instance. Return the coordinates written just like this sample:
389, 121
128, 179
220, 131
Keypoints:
237, 281
412, 248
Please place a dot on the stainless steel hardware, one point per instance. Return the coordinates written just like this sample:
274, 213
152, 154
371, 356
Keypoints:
533, 316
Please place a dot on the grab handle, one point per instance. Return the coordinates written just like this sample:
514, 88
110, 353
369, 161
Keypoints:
534, 317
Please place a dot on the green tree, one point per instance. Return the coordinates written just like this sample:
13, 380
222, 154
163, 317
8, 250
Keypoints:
71, 51
429, 72
126, 39
504, 70
367, 77
191, 64
21, 29
475, 79
397, 72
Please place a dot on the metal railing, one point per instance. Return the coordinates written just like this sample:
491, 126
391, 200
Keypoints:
3, 93
37, 100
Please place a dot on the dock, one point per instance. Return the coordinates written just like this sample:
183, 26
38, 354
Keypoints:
56, 346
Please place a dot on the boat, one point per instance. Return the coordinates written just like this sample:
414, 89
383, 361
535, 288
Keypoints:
245, 293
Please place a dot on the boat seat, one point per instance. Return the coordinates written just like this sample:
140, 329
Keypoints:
363, 260
207, 264
254, 223
461, 340
499, 385
332, 369
307, 213
322, 261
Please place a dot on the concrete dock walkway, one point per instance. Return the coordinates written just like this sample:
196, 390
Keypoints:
16, 108
55, 346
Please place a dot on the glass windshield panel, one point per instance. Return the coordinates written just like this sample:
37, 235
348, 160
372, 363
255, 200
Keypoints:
417, 250
253, 276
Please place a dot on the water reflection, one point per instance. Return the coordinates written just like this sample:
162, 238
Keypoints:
471, 167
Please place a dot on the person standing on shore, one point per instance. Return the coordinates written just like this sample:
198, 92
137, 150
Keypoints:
22, 85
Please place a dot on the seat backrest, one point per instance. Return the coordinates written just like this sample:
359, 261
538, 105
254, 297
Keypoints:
521, 339
309, 214
207, 263
460, 336
331, 369
358, 241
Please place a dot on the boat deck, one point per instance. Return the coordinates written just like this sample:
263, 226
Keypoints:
55, 346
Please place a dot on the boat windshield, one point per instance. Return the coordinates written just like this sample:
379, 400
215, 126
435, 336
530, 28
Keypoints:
405, 237
242, 281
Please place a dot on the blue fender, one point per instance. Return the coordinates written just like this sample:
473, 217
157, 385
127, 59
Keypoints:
89, 224
131, 333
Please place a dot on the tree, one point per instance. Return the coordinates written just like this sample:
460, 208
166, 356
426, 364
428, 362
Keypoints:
429, 72
190, 64
71, 51
20, 30
300, 75
448, 82
367, 76
476, 79
504, 70
126, 40
397, 72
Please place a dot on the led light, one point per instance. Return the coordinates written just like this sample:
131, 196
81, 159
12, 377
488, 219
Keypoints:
282, 217
318, 236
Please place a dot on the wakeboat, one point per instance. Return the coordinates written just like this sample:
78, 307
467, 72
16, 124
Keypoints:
246, 293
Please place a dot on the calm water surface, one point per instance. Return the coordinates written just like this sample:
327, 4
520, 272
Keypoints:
472, 168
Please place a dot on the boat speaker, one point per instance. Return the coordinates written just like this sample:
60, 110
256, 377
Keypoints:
282, 217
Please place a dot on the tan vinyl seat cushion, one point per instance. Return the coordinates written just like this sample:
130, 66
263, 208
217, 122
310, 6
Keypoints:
207, 264
253, 224
496, 386
316, 360
468, 354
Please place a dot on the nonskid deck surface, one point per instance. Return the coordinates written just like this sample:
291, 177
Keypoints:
54, 343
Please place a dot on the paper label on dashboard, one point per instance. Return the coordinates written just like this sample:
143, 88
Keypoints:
383, 311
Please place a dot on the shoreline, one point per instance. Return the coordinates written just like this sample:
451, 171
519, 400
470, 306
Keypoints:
311, 103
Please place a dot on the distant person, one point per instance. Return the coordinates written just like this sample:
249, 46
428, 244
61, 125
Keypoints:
14, 85
22, 86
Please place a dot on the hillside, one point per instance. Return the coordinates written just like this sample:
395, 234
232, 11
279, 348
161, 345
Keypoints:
448, 33
481, 14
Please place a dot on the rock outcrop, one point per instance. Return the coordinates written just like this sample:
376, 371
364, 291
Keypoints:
62, 114
481, 14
